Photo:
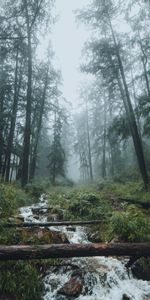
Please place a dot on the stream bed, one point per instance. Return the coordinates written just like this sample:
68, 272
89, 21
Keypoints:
96, 278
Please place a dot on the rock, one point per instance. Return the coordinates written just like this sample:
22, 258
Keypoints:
115, 240
59, 237
42, 235
126, 297
53, 217
94, 237
71, 228
72, 288
141, 269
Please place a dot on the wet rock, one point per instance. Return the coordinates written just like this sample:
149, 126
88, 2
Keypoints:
141, 269
70, 228
42, 235
126, 297
59, 237
115, 240
94, 237
19, 218
53, 217
72, 288
78, 273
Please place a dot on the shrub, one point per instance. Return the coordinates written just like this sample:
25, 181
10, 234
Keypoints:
12, 197
131, 225
20, 280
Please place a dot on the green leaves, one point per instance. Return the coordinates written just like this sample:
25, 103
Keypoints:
131, 225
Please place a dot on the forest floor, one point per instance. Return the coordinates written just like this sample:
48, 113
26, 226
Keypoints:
120, 222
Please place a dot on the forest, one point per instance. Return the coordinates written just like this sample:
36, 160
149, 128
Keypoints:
74, 166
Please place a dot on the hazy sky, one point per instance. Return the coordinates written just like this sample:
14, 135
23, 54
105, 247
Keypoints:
67, 40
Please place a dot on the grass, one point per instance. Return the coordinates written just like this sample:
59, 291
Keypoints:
127, 222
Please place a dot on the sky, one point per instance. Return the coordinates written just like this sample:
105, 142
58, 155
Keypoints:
68, 39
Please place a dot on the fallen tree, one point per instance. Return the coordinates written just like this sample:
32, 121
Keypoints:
55, 223
144, 204
73, 250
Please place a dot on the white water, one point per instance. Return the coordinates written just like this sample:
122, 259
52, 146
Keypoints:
103, 278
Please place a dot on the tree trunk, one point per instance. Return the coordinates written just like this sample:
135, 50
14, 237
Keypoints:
73, 250
1, 119
144, 62
104, 145
131, 117
89, 143
13, 122
27, 132
48, 224
35, 146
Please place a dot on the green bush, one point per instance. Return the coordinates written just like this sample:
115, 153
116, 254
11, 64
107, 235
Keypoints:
131, 225
12, 197
20, 280
35, 189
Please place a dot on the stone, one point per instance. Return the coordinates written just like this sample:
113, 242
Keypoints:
140, 269
94, 237
42, 235
72, 288
126, 297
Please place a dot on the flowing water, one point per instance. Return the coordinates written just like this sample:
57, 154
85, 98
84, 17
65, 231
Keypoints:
102, 278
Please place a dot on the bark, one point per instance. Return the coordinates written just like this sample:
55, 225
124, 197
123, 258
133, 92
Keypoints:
104, 145
27, 132
89, 143
48, 224
73, 250
13, 122
144, 62
34, 156
1, 120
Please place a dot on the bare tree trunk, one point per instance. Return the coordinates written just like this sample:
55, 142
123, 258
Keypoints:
73, 250
13, 122
144, 62
1, 120
131, 117
34, 156
89, 143
104, 144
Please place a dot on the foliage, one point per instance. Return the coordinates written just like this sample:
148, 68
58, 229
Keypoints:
21, 280
12, 197
130, 226
56, 157
37, 188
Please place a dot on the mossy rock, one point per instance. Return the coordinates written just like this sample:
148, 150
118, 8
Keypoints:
39, 235
141, 269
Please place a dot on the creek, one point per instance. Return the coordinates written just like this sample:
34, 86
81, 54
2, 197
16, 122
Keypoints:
99, 278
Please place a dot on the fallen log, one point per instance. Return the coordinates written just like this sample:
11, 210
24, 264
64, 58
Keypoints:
144, 204
73, 250
55, 223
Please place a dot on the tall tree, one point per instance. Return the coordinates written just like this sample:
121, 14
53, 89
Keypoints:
101, 14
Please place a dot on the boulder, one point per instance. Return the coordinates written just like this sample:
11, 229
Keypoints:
140, 269
94, 237
126, 297
42, 235
72, 288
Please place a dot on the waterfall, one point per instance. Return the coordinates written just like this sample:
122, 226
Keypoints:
102, 278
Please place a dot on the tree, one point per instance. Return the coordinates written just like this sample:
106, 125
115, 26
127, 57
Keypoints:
100, 15
56, 156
